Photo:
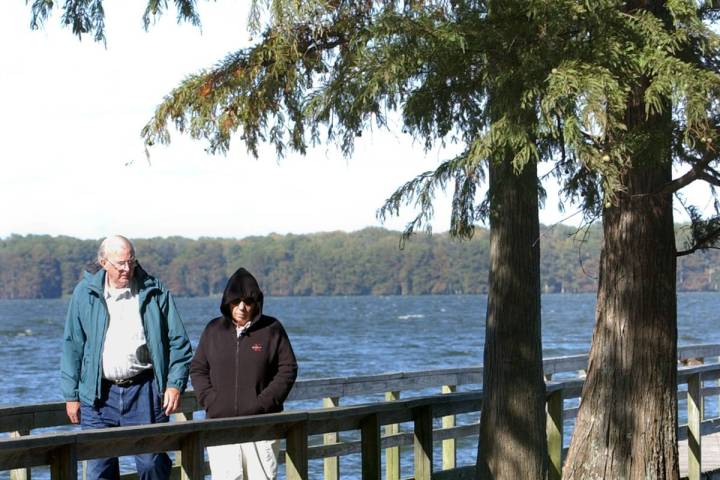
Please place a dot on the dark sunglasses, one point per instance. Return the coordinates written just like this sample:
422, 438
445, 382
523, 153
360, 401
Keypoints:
249, 301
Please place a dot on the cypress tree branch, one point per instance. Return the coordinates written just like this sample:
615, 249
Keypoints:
683, 253
695, 173
705, 233
711, 176
699, 171
88, 16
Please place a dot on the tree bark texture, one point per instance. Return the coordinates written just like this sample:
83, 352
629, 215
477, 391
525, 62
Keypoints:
626, 427
512, 442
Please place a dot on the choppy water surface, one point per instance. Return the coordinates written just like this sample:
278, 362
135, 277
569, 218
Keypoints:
338, 336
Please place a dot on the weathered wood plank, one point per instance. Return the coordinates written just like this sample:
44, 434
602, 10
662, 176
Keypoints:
571, 388
181, 417
331, 465
449, 448
246, 434
20, 417
192, 463
39, 449
64, 463
20, 473
695, 414
710, 457
392, 454
570, 363
31, 450
34, 450
364, 385
16, 422
684, 373
695, 351
296, 452
455, 403
349, 417
463, 473
554, 415
370, 444
422, 417
711, 391
404, 439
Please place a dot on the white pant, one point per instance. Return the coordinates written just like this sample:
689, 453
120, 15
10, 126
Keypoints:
244, 461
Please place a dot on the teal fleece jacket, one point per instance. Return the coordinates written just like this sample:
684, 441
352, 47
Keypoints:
86, 324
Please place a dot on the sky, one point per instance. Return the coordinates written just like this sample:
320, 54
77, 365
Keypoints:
72, 161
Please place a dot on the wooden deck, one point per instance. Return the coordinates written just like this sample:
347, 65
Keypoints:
710, 454
376, 423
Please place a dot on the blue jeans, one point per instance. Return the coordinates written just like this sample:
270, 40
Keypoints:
139, 404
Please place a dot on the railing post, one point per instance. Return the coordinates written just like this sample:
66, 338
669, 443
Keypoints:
449, 449
695, 414
20, 473
331, 465
554, 430
370, 441
423, 430
296, 452
392, 454
177, 417
63, 463
717, 400
192, 461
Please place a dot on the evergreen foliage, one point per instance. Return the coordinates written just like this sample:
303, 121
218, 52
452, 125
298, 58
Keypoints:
367, 262
329, 70
614, 92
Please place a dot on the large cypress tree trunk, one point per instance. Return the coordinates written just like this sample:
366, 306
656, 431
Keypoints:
627, 423
512, 442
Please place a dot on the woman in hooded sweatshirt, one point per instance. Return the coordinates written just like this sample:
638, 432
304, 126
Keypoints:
243, 365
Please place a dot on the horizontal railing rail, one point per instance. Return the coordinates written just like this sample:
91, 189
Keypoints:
63, 450
44, 415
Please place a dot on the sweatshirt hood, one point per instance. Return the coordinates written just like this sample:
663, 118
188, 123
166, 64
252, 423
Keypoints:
240, 285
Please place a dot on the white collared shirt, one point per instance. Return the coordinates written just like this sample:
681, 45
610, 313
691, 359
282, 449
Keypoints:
125, 352
239, 330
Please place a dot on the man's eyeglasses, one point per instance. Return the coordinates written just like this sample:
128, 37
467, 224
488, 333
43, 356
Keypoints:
126, 265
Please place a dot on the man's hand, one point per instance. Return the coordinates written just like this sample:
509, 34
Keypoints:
171, 400
73, 411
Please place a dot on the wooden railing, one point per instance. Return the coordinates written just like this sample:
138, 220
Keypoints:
62, 451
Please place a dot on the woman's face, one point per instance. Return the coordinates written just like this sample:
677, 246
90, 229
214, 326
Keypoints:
243, 310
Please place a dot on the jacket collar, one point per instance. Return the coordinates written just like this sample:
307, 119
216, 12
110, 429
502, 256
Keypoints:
258, 322
95, 278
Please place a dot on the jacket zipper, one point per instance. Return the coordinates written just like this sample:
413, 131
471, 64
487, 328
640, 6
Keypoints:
143, 307
237, 372
106, 314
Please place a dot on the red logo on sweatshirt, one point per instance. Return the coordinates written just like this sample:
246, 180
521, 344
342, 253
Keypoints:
256, 347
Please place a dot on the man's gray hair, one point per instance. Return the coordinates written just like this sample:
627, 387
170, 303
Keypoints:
114, 243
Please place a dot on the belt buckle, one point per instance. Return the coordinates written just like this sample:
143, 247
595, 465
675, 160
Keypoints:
124, 382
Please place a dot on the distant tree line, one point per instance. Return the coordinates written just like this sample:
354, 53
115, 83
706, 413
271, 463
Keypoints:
367, 262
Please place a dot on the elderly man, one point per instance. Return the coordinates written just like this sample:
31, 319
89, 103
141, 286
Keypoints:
125, 355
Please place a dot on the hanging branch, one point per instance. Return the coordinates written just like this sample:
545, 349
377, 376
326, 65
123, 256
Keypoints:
705, 233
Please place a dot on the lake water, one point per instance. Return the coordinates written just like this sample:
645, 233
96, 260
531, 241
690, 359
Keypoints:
339, 336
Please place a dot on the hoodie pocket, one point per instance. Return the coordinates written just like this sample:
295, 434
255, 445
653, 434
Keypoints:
217, 406
209, 401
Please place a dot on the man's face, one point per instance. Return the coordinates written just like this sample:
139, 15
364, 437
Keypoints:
243, 311
120, 266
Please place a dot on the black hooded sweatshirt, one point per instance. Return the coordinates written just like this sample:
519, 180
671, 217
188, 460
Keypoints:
245, 375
